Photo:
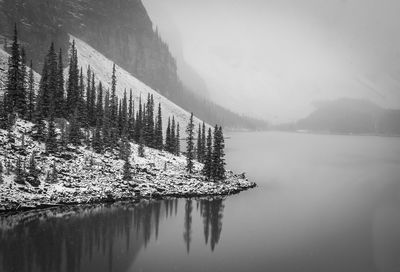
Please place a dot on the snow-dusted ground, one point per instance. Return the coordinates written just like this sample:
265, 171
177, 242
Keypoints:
102, 67
88, 177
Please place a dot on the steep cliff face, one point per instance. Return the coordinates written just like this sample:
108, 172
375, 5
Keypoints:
119, 29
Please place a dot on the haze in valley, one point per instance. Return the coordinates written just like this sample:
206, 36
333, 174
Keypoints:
272, 59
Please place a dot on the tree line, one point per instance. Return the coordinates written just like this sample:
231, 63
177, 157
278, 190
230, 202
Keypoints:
96, 116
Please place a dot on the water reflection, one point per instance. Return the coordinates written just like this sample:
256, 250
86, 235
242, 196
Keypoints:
97, 238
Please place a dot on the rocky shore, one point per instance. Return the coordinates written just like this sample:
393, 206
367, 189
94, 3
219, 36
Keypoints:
85, 177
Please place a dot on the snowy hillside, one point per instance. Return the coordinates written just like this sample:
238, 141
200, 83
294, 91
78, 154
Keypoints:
102, 67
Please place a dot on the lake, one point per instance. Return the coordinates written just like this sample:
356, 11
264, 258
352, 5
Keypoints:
323, 203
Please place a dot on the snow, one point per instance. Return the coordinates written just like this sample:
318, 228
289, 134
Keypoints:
88, 177
102, 67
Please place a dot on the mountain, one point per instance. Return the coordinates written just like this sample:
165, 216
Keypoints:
351, 116
102, 68
123, 32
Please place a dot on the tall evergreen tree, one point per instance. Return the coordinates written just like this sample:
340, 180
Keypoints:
59, 94
73, 83
15, 90
141, 145
218, 155
113, 98
208, 159
31, 94
74, 131
168, 136
177, 141
158, 130
190, 145
199, 147
106, 120
51, 140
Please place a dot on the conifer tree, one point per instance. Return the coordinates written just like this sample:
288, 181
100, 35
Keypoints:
73, 83
23, 85
158, 130
190, 145
208, 159
127, 169
59, 94
51, 140
203, 141
92, 110
113, 98
74, 131
99, 106
172, 137
15, 90
177, 142
124, 117
199, 148
218, 168
88, 96
131, 121
106, 120
168, 136
31, 94
141, 145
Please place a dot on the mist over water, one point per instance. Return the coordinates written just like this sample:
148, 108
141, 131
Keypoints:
324, 203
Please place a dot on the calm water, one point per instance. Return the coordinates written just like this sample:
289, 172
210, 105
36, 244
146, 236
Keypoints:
324, 203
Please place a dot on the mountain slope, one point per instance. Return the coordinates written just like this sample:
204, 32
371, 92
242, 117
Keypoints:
123, 32
102, 67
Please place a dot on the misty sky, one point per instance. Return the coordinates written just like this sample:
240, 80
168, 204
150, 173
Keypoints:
273, 58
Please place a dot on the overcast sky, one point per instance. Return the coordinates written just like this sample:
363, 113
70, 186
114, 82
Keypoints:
273, 58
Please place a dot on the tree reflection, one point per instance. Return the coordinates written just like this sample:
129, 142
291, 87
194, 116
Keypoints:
97, 238
84, 238
212, 213
188, 224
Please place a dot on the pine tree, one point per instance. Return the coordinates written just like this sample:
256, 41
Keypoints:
218, 163
168, 136
73, 83
124, 117
208, 159
99, 106
158, 130
141, 145
106, 120
59, 94
92, 110
74, 131
203, 141
15, 91
190, 145
127, 175
177, 142
23, 85
31, 94
88, 96
113, 98
131, 121
51, 140
173, 136
199, 147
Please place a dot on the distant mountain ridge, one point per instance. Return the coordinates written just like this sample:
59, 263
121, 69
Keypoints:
354, 116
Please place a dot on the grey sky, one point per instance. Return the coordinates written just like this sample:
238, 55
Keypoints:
272, 58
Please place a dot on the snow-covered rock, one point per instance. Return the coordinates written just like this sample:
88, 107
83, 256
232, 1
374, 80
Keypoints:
91, 178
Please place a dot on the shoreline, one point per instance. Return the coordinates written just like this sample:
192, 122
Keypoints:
217, 189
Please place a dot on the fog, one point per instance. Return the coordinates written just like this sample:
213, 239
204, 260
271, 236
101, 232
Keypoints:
272, 59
